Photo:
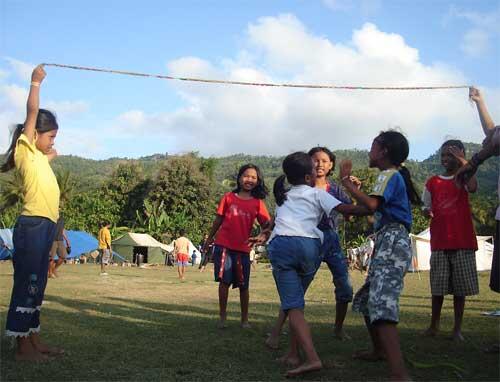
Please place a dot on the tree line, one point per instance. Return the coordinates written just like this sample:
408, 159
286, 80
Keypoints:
163, 194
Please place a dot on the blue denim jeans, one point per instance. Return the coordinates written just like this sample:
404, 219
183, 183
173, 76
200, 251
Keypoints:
295, 261
337, 263
33, 237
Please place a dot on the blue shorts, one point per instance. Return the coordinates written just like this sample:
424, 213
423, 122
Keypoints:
33, 237
231, 267
295, 261
337, 262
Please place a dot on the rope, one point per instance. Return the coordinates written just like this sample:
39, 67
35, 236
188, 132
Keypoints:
263, 84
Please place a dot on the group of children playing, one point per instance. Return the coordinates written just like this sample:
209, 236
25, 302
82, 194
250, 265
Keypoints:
300, 236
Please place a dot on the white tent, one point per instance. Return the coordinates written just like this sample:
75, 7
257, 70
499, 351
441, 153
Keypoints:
421, 248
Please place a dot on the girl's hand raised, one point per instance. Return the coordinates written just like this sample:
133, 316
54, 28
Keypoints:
458, 154
475, 94
38, 74
345, 169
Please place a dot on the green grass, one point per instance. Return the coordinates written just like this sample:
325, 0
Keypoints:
143, 324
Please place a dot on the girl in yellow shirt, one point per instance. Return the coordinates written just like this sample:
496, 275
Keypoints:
30, 151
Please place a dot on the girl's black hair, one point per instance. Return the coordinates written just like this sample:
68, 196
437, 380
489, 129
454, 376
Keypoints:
260, 191
398, 149
295, 166
454, 142
327, 151
45, 121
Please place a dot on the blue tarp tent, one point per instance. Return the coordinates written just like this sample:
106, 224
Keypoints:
81, 243
6, 244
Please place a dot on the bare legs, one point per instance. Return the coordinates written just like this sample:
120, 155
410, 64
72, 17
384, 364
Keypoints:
458, 308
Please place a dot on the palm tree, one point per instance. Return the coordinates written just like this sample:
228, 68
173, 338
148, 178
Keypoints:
11, 191
66, 185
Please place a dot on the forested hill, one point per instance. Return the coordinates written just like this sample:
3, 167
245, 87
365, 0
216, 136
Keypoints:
91, 173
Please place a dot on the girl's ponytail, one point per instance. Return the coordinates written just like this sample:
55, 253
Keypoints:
9, 155
410, 188
279, 190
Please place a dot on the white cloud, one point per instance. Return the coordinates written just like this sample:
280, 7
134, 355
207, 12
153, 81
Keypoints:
366, 7
22, 69
13, 102
483, 27
475, 42
227, 119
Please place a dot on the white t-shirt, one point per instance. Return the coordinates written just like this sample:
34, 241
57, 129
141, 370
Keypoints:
301, 212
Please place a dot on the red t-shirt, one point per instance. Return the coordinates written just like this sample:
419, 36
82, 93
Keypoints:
239, 216
451, 227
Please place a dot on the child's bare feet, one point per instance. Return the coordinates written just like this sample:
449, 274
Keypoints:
246, 325
368, 355
43, 348
457, 337
400, 378
272, 342
289, 360
306, 367
221, 324
31, 356
431, 332
341, 335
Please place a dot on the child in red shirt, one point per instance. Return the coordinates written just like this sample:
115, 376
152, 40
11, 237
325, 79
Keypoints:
233, 224
453, 240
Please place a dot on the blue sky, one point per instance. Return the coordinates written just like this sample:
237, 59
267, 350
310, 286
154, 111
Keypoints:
365, 42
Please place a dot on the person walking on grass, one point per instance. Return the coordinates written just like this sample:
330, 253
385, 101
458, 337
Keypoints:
294, 250
181, 251
378, 298
232, 227
453, 240
104, 239
59, 248
30, 152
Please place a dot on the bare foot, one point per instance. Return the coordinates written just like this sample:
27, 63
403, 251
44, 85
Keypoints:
368, 355
306, 367
289, 360
31, 356
457, 337
341, 335
272, 343
400, 378
221, 324
246, 325
48, 350
431, 332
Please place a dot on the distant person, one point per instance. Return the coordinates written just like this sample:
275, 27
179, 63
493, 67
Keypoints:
30, 152
236, 214
193, 258
60, 248
104, 238
181, 251
205, 256
253, 260
453, 240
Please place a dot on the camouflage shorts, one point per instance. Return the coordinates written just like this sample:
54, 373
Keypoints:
378, 298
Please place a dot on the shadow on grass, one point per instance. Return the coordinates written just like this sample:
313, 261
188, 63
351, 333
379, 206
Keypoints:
132, 339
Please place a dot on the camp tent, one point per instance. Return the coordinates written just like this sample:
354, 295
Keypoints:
421, 248
81, 243
132, 244
6, 245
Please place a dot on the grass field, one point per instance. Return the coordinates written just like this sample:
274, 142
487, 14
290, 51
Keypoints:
143, 324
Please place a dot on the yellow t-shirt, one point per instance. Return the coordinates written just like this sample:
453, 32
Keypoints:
41, 191
104, 238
